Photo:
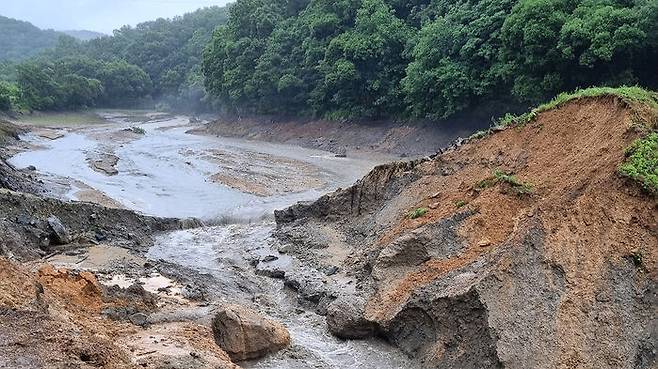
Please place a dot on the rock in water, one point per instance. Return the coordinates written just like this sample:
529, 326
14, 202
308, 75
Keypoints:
61, 235
345, 318
246, 335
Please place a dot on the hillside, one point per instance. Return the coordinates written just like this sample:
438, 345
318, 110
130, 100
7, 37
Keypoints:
153, 63
21, 40
524, 247
84, 35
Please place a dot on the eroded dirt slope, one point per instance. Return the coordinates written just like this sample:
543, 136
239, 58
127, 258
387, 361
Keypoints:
57, 318
533, 251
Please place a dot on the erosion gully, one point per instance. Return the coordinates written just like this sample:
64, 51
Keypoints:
232, 184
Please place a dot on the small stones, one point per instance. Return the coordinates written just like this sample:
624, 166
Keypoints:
139, 319
485, 242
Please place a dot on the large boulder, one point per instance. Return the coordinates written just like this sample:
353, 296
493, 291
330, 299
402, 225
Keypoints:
246, 335
345, 318
60, 234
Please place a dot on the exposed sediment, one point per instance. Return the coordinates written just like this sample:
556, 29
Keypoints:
554, 269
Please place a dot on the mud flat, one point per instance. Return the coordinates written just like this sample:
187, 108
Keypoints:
146, 288
168, 172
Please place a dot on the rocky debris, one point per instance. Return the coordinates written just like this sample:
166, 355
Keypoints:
345, 318
53, 318
384, 181
60, 235
246, 335
36, 223
193, 292
106, 164
139, 319
133, 304
10, 177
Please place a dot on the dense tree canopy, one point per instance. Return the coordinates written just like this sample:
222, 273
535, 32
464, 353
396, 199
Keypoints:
424, 58
21, 40
156, 62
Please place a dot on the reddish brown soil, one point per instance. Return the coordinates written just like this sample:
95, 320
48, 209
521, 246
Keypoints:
52, 319
591, 215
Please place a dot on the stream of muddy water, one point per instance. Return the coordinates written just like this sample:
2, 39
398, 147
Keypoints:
152, 164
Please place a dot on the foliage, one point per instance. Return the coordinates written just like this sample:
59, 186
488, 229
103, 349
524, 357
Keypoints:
74, 83
509, 178
641, 163
423, 58
9, 96
169, 51
417, 213
159, 60
21, 40
500, 176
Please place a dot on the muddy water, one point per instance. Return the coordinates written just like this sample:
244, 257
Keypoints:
167, 172
225, 253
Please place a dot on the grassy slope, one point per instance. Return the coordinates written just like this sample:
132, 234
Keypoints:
642, 156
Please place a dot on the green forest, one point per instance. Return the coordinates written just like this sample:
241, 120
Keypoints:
156, 62
369, 59
424, 59
21, 40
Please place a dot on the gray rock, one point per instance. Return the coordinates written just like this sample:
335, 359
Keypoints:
193, 292
139, 319
60, 233
345, 318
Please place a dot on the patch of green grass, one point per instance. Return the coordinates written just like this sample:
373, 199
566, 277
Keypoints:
460, 204
418, 213
485, 183
61, 119
519, 187
499, 176
641, 162
480, 134
631, 95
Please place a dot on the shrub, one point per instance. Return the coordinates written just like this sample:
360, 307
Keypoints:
521, 188
641, 162
419, 212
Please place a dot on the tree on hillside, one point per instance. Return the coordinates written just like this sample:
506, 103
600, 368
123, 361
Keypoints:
21, 40
363, 67
453, 57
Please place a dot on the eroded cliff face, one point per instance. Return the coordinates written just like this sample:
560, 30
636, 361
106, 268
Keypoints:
533, 251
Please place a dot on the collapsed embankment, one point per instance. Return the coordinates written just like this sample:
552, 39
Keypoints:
522, 249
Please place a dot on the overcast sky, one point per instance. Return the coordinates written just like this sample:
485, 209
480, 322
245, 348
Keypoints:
97, 15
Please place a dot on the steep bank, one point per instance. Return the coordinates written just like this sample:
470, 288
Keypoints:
388, 137
523, 249
10, 177
30, 222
